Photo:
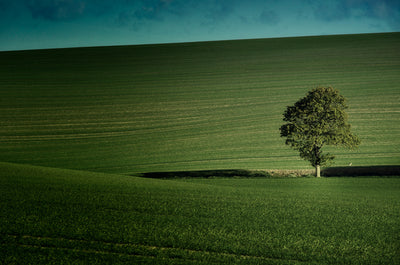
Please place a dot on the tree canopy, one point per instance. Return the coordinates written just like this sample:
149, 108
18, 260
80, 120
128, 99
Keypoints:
317, 120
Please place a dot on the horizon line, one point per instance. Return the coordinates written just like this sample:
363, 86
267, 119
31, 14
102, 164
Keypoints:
199, 41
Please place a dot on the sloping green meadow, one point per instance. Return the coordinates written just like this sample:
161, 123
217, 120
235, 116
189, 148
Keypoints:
193, 106
58, 216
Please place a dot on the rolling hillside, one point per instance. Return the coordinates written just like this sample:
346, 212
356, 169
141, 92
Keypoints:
59, 216
193, 106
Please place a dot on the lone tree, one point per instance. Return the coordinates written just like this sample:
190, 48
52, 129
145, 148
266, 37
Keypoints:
317, 120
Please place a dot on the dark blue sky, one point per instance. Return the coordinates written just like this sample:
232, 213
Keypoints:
37, 24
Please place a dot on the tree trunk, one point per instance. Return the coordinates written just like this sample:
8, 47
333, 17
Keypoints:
317, 171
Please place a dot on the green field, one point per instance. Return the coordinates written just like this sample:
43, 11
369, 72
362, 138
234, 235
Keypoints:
79, 126
58, 216
193, 106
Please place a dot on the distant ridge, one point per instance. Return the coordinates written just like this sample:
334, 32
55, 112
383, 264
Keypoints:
200, 41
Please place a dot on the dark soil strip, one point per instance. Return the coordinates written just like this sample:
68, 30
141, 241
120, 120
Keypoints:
207, 174
350, 171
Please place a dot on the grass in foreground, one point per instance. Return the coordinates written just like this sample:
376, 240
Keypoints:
73, 217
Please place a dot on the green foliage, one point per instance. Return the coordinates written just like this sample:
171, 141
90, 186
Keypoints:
317, 120
53, 216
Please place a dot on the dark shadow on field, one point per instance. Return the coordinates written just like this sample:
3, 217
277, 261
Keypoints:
227, 173
351, 171
206, 174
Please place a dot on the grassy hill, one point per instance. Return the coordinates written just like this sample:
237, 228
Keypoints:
59, 216
193, 106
